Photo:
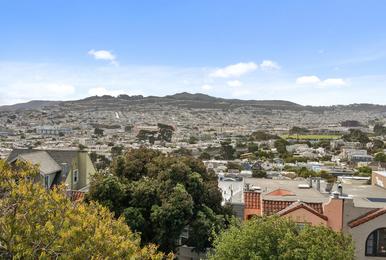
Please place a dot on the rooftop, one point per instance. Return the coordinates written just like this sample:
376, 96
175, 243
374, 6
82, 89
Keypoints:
368, 196
271, 190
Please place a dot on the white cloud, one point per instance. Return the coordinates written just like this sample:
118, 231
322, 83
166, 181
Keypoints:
234, 83
307, 80
235, 70
103, 55
333, 82
22, 91
206, 87
269, 65
314, 80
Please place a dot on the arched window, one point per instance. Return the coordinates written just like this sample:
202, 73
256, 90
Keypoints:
376, 243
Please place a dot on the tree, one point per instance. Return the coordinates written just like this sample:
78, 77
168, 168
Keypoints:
40, 224
262, 136
161, 195
234, 166
116, 150
364, 171
380, 157
298, 130
280, 145
204, 156
100, 161
377, 145
129, 128
165, 132
227, 151
379, 129
170, 217
259, 173
192, 140
356, 135
350, 123
147, 135
98, 131
252, 147
276, 237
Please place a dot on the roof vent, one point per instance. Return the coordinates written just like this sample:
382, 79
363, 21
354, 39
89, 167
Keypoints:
335, 195
304, 186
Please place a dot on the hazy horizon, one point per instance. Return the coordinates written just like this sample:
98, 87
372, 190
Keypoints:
145, 96
311, 53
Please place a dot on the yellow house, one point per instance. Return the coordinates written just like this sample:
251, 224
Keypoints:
71, 167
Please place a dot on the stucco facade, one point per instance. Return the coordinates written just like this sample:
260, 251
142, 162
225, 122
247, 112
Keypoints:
360, 234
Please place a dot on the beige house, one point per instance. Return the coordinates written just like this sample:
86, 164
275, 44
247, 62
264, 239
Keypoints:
71, 167
353, 207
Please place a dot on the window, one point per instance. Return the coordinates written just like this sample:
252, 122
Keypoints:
301, 225
47, 181
76, 176
377, 199
376, 243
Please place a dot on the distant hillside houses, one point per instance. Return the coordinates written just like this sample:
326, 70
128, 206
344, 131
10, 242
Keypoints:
53, 130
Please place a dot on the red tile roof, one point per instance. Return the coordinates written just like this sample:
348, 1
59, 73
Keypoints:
281, 192
75, 196
298, 205
251, 200
367, 217
273, 206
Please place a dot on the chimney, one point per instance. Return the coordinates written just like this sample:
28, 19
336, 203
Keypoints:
318, 184
335, 195
340, 189
310, 182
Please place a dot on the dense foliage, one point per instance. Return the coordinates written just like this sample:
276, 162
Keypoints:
356, 135
280, 238
44, 224
163, 134
262, 136
280, 145
380, 157
162, 195
379, 129
298, 130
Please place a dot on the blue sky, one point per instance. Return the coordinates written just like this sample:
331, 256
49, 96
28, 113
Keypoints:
310, 52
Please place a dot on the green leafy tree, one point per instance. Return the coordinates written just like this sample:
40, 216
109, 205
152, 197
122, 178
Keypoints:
298, 130
234, 166
116, 150
204, 156
227, 151
252, 147
280, 238
377, 145
147, 135
129, 128
165, 132
379, 129
280, 146
40, 224
364, 171
160, 195
259, 173
262, 136
98, 131
170, 217
192, 140
356, 135
380, 157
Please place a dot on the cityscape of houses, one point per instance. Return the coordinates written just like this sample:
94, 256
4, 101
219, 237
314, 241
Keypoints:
313, 169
